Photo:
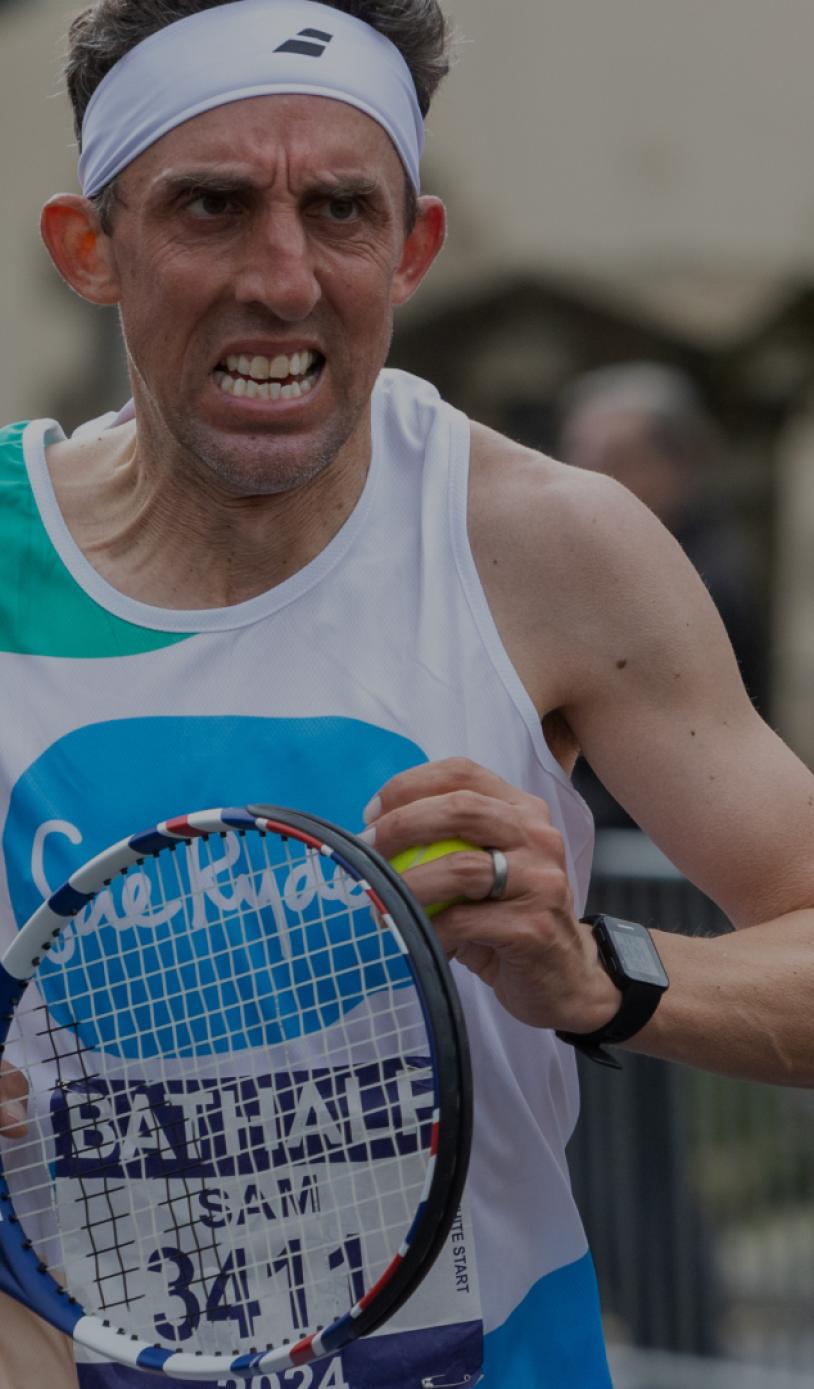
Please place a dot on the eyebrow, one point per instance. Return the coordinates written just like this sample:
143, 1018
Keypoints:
173, 185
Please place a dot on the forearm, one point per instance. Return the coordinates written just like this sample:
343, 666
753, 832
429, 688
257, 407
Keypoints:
739, 1004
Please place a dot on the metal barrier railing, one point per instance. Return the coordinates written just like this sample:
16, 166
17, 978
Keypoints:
697, 1192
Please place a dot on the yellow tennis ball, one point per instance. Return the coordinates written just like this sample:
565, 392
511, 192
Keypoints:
426, 853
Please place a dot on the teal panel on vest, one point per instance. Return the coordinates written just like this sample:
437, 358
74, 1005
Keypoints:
43, 610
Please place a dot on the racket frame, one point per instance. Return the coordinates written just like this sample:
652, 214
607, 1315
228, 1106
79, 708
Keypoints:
30, 1281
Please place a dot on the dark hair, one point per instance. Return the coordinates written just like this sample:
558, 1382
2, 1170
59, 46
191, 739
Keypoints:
101, 35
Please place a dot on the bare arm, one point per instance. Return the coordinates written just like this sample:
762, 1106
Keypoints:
626, 643
673, 735
740, 1004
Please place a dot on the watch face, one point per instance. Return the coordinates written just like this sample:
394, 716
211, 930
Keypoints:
636, 952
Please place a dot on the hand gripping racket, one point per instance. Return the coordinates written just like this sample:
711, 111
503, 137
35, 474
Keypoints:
249, 1097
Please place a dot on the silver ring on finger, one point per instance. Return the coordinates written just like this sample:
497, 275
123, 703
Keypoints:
500, 869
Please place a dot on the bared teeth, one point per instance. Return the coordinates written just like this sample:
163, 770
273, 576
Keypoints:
232, 379
279, 368
262, 390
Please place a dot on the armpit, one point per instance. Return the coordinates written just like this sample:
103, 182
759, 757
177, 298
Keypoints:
561, 740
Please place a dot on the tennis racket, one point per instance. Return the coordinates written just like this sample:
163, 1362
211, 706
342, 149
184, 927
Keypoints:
249, 1097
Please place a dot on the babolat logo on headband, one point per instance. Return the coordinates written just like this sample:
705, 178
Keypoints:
261, 49
312, 50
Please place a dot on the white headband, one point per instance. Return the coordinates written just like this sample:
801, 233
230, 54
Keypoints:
246, 49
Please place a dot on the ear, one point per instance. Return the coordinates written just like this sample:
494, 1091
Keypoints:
80, 250
421, 247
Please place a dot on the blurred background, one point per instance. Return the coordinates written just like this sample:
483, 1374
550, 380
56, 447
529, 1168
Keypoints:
629, 284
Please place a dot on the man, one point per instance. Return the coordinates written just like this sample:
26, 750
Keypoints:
281, 544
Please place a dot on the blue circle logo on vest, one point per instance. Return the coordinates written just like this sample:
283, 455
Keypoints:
109, 780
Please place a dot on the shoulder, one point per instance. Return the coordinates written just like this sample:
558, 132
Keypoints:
547, 520
530, 492
580, 570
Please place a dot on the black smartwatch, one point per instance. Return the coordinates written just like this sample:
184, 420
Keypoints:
627, 952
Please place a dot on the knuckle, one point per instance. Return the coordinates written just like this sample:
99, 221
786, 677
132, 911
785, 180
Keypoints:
467, 807
551, 888
466, 867
461, 770
396, 824
542, 812
550, 843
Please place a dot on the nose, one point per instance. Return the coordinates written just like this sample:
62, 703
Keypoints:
277, 268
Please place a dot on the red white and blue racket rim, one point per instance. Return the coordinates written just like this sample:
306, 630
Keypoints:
28, 1278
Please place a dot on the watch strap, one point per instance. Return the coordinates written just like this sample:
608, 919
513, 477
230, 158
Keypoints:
593, 1051
639, 1003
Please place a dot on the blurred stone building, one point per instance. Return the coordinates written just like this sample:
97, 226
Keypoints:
625, 180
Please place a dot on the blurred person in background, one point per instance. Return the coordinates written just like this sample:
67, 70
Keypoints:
644, 425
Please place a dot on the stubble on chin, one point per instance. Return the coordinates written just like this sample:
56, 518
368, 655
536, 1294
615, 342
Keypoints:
268, 463
256, 465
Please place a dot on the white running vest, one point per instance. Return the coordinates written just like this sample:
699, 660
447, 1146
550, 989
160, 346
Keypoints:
380, 654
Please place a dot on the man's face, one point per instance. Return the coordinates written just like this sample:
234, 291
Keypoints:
256, 253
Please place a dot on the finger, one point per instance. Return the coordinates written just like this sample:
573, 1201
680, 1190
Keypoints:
13, 1117
465, 815
466, 874
434, 779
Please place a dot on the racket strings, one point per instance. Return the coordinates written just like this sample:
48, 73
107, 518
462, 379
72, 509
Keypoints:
326, 1129
119, 1246
172, 1200
103, 1168
80, 992
322, 1131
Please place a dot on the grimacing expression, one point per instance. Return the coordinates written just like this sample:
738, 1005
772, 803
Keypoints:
259, 252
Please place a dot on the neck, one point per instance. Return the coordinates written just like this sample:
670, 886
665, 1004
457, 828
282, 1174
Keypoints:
162, 539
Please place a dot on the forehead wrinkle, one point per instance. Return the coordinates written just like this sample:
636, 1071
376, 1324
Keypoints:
251, 139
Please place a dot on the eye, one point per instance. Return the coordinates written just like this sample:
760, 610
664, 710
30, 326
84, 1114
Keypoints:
210, 204
342, 209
